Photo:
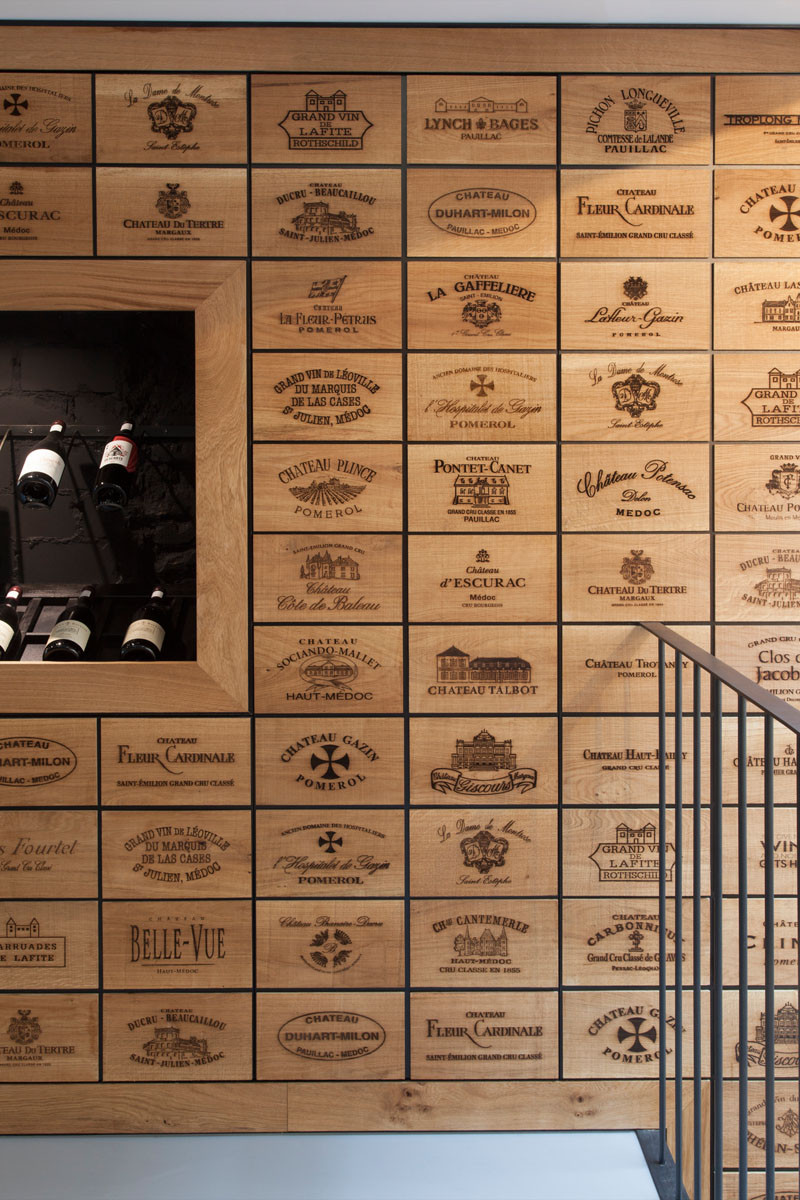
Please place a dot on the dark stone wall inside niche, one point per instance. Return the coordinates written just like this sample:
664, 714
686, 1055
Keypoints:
96, 370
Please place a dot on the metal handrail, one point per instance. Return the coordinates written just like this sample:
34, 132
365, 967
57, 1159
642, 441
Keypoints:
787, 714
710, 1167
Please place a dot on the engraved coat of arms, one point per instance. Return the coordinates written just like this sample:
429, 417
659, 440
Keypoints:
172, 203
636, 569
635, 394
484, 851
785, 480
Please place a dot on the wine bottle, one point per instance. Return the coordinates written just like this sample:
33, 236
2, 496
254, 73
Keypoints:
42, 469
117, 471
9, 621
72, 631
144, 637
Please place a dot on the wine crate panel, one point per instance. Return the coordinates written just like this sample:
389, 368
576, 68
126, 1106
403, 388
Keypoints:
162, 853
331, 305
647, 304
484, 1035
786, 1140
611, 214
454, 488
784, 762
309, 397
345, 760
757, 487
499, 944
497, 305
614, 852
753, 213
612, 488
756, 397
48, 117
357, 487
785, 1185
615, 1035
784, 933
319, 1035
476, 852
49, 763
179, 944
481, 119
626, 120
631, 398
48, 944
301, 577
203, 213
615, 942
756, 577
506, 760
667, 580
460, 579
162, 120
350, 854
45, 210
330, 943
769, 657
49, 854
756, 119
786, 1058
335, 667
326, 118
784, 853
500, 397
467, 213
49, 1038
193, 1037
614, 760
193, 761
755, 306
615, 669
300, 212
483, 668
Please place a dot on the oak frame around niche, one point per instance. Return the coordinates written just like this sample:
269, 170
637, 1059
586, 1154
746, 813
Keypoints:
217, 680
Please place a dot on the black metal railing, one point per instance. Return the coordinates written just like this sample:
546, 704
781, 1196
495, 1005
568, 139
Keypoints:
723, 1145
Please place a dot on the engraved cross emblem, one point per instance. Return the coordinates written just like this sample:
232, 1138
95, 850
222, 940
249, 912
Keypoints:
329, 761
637, 1045
482, 385
787, 213
330, 841
16, 104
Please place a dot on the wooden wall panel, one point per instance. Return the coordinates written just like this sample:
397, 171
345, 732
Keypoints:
481, 119
161, 120
311, 761
411, 380
48, 763
498, 397
48, 117
304, 397
196, 761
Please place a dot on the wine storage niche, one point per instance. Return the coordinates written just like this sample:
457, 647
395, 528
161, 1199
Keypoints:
96, 370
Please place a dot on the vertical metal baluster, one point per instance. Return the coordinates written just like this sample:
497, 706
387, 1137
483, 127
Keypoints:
797, 842
716, 937
662, 902
678, 927
769, 949
743, 932
697, 929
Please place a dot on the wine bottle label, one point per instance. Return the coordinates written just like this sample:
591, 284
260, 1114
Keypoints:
148, 631
6, 635
122, 452
45, 462
71, 631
